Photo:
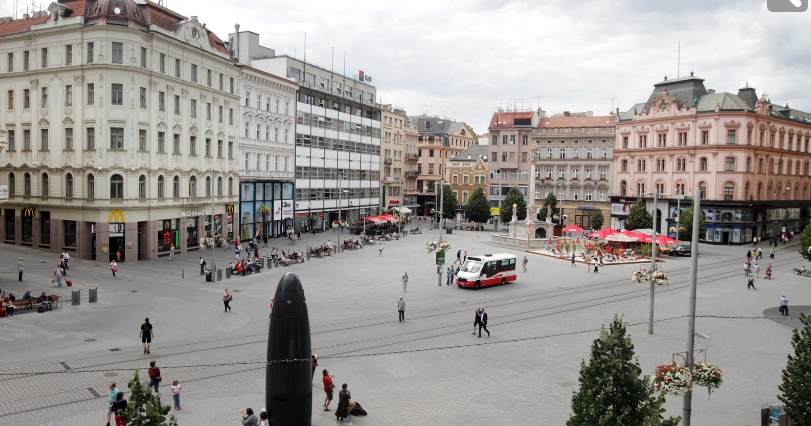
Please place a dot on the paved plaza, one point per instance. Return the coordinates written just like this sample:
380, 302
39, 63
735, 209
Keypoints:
427, 370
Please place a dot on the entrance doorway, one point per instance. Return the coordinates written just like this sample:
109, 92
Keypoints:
117, 245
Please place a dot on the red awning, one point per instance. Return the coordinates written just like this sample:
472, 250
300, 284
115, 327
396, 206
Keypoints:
388, 217
375, 219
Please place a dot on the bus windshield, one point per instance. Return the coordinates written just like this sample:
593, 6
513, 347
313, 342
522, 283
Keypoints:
472, 266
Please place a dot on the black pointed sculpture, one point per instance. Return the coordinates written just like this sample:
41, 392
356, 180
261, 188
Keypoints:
288, 385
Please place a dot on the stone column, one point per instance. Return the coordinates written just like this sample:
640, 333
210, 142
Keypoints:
102, 239
131, 237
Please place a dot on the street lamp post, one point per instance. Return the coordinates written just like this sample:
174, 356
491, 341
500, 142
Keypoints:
687, 407
213, 227
340, 200
653, 259
441, 205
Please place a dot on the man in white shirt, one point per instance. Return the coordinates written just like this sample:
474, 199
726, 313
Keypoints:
401, 308
783, 305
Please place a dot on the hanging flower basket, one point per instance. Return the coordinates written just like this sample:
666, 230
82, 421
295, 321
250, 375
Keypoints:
641, 275
219, 240
707, 375
435, 245
207, 242
659, 277
672, 378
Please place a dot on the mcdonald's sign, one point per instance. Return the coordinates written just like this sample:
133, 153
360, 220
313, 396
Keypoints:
116, 216
28, 212
229, 208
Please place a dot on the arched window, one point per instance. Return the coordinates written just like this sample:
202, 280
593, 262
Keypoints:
12, 184
789, 168
748, 191
45, 184
176, 187
208, 186
702, 190
193, 186
69, 186
703, 164
230, 187
219, 186
640, 189
797, 167
142, 187
759, 190
117, 187
27, 184
805, 172
161, 187
91, 186
623, 189
729, 191
624, 166
276, 134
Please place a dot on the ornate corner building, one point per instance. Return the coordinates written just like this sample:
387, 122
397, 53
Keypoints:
119, 130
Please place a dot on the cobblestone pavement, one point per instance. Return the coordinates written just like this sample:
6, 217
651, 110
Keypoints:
427, 370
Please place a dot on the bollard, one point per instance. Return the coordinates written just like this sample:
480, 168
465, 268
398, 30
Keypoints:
308, 252
228, 273
262, 262
269, 262
94, 295
75, 297
219, 274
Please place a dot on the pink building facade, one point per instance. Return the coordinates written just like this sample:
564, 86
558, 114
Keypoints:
747, 158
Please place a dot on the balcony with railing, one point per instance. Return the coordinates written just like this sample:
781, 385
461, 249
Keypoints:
412, 156
573, 131
387, 161
412, 174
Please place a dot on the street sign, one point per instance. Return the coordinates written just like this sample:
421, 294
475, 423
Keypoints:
440, 257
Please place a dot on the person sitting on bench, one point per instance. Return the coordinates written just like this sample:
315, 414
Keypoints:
43, 298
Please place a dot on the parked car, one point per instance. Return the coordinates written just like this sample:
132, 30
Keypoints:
683, 250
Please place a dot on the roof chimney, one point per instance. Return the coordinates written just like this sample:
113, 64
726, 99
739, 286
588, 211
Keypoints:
236, 42
711, 91
566, 114
26, 16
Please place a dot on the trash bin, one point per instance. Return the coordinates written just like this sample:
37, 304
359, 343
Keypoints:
209, 277
219, 274
228, 273
75, 297
268, 262
94, 295
449, 231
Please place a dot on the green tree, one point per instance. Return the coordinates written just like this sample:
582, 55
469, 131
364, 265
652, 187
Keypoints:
805, 242
550, 207
477, 208
144, 408
449, 202
686, 224
513, 197
796, 386
611, 391
639, 217
597, 219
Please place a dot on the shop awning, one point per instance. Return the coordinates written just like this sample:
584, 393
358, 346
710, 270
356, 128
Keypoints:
402, 210
388, 217
375, 219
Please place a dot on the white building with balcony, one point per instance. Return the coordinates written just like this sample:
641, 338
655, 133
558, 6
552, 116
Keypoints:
119, 123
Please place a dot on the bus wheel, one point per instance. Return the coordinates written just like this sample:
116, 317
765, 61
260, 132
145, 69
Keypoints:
477, 285
503, 281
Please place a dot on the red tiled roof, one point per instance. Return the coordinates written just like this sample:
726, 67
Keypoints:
267, 74
506, 119
78, 6
217, 44
161, 16
557, 122
21, 25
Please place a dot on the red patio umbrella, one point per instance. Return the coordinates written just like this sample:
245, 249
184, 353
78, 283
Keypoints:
664, 239
572, 228
603, 233
631, 234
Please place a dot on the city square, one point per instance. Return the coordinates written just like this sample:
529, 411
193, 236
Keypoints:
429, 369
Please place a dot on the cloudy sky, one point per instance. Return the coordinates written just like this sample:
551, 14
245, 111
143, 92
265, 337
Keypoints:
465, 59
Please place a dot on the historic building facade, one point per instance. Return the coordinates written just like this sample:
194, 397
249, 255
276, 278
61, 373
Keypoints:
392, 173
747, 158
467, 171
510, 150
412, 158
439, 140
120, 130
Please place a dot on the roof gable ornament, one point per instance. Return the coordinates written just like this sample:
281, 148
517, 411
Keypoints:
194, 33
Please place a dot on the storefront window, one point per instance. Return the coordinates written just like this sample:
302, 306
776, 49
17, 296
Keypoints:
45, 228
191, 232
11, 227
28, 229
70, 232
168, 235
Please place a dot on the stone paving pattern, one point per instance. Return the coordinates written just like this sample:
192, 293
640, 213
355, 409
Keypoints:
352, 301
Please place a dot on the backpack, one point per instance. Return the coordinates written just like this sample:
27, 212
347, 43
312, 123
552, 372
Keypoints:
358, 410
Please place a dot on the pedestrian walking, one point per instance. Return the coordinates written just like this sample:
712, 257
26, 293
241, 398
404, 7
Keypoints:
146, 335
754, 241
458, 256
113, 267
784, 305
154, 376
751, 282
226, 300
465, 258
596, 267
477, 319
483, 323
380, 249
237, 250
746, 269
176, 394
405, 280
118, 407
524, 263
749, 256
66, 259
58, 276
20, 268
110, 400
328, 388
771, 253
573, 261
401, 308
757, 270
227, 244
202, 266
588, 266
172, 252
759, 253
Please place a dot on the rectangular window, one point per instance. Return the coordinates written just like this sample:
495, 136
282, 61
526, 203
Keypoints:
118, 53
142, 140
230, 150
662, 140
143, 96
162, 142
43, 102
11, 145
44, 63
117, 94
26, 60
232, 85
161, 101
10, 100
705, 137
208, 112
10, 62
43, 137
91, 138
91, 93
602, 195
208, 78
69, 139
730, 137
26, 140
177, 104
116, 138
90, 52
208, 147
643, 141
68, 95
221, 80
177, 68
143, 57
162, 63
219, 114
231, 116
176, 144
603, 173
219, 148
69, 54
192, 145
193, 73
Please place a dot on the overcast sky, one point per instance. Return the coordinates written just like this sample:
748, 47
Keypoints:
465, 59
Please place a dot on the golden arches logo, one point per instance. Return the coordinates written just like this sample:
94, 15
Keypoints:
116, 216
28, 212
229, 208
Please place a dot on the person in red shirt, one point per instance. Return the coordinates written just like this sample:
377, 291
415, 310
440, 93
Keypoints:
328, 387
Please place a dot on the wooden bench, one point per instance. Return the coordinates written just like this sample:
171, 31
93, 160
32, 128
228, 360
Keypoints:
33, 304
23, 303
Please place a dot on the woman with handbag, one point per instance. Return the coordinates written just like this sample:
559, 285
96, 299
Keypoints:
113, 267
226, 300
154, 376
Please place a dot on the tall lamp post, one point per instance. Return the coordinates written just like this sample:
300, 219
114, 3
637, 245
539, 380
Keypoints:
213, 227
655, 194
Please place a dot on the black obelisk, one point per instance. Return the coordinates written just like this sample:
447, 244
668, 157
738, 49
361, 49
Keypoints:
288, 384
